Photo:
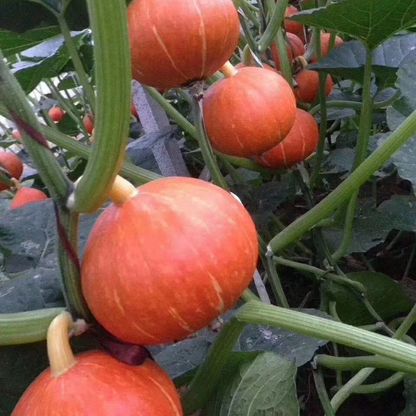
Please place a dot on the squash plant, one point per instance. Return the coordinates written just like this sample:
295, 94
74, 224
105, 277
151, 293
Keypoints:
300, 267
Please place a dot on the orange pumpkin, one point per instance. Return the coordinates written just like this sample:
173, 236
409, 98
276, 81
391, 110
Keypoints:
26, 196
294, 48
96, 384
325, 40
56, 114
177, 42
12, 164
89, 123
300, 143
294, 27
265, 66
249, 113
307, 86
168, 261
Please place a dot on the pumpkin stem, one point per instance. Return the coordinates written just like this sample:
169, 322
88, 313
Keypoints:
122, 191
16, 183
228, 70
61, 357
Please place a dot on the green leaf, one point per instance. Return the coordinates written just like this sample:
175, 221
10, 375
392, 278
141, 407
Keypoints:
406, 81
45, 60
371, 21
348, 60
370, 228
12, 43
405, 161
402, 212
68, 126
385, 295
410, 394
265, 386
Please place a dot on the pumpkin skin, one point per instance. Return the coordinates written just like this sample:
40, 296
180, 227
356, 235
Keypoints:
294, 48
56, 114
169, 261
12, 164
265, 66
293, 27
300, 143
308, 86
177, 42
16, 134
100, 385
26, 196
325, 39
249, 113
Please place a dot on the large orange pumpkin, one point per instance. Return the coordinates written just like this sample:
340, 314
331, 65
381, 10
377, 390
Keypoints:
167, 262
300, 143
307, 85
12, 164
294, 48
99, 385
179, 41
291, 26
26, 196
325, 40
249, 113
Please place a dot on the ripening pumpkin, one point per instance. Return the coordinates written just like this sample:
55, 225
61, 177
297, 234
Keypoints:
265, 66
26, 196
96, 384
294, 48
167, 260
300, 143
307, 86
56, 114
89, 123
291, 26
12, 164
249, 113
177, 42
325, 40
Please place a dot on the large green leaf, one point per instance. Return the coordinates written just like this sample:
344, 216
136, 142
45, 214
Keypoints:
370, 228
371, 21
265, 386
385, 295
45, 60
348, 60
12, 42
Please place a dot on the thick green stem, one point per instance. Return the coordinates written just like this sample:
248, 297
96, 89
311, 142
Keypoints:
322, 393
79, 68
360, 155
273, 26
69, 263
112, 115
358, 363
26, 327
259, 313
174, 114
285, 65
363, 374
14, 99
204, 143
52, 176
209, 373
324, 119
321, 274
344, 191
381, 386
275, 281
